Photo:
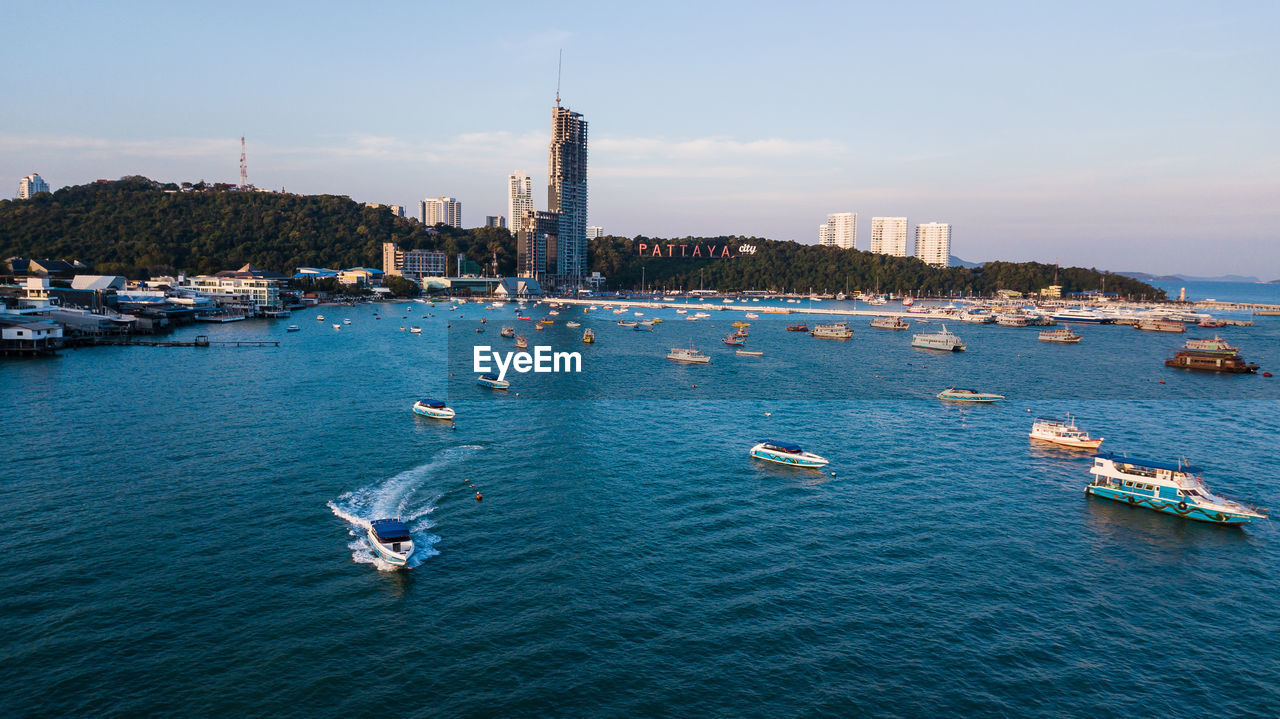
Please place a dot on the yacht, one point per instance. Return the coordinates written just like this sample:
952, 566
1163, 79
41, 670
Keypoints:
432, 408
977, 317
890, 323
572, 324
907, 302
1217, 345
337, 326
833, 331
1082, 315
1062, 335
1065, 433
752, 316
687, 355
1169, 487
391, 541
787, 453
952, 394
492, 382
944, 340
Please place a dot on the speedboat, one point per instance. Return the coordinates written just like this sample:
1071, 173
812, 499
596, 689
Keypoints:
391, 541
952, 394
1170, 487
415, 330
752, 316
491, 381
432, 408
572, 324
337, 326
346, 322
1065, 433
319, 318
292, 328
787, 453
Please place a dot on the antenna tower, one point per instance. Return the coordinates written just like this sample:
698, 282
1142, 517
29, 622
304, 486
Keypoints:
244, 167
559, 65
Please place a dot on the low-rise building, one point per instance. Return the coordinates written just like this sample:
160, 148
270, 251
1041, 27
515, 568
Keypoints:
22, 335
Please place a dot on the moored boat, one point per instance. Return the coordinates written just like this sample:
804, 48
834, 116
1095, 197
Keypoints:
1158, 325
1012, 319
508, 331
391, 541
292, 328
491, 381
734, 341
890, 323
833, 331
588, 337
521, 342
944, 340
750, 353
1217, 345
1062, 335
1082, 315
627, 323
1211, 362
1062, 432
787, 453
415, 330
1170, 487
953, 394
687, 355
798, 328
432, 408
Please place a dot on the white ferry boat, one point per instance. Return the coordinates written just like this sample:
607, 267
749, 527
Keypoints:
688, 355
952, 394
977, 317
833, 331
1012, 319
432, 408
787, 453
1082, 315
1065, 433
1170, 487
1062, 335
944, 340
890, 323
1217, 345
391, 541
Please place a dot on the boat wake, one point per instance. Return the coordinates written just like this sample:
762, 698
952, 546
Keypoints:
407, 496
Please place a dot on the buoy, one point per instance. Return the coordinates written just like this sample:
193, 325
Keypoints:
1266, 374
833, 474
1161, 381
479, 497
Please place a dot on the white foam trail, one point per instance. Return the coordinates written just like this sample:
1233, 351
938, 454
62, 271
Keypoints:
397, 496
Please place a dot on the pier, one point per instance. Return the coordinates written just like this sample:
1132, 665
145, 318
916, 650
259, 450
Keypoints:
199, 341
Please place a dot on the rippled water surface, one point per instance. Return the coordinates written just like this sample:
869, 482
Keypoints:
183, 532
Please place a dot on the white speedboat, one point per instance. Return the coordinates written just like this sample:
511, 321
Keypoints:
319, 318
432, 408
944, 340
416, 330
687, 355
346, 322
1065, 433
391, 541
491, 381
337, 326
572, 324
952, 394
787, 453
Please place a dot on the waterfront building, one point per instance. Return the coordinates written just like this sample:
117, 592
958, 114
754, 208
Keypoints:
889, 236
23, 335
594, 232
247, 290
933, 243
414, 264
360, 277
30, 185
519, 198
840, 230
496, 221
567, 195
537, 244
440, 210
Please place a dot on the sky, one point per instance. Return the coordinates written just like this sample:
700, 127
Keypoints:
1123, 136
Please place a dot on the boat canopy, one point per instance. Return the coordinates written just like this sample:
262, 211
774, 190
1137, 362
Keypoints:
390, 530
784, 446
1153, 464
432, 403
492, 377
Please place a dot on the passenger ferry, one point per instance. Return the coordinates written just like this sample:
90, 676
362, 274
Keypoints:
508, 332
798, 328
1062, 335
890, 323
1170, 487
787, 453
1217, 345
1012, 319
1065, 433
491, 381
1211, 362
1154, 325
944, 340
952, 394
391, 541
687, 355
432, 408
833, 331
1082, 315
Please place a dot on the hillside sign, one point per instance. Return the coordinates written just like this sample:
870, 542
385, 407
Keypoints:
693, 250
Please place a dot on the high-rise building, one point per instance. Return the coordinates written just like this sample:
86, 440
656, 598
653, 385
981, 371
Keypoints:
537, 245
889, 236
594, 232
497, 221
933, 243
519, 198
567, 194
414, 264
30, 185
437, 210
840, 230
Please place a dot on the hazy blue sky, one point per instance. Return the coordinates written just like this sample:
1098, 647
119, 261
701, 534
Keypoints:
1118, 135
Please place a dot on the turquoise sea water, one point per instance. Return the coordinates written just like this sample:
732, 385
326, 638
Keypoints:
179, 529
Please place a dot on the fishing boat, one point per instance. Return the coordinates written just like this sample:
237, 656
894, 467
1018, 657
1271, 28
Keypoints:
953, 394
833, 331
687, 355
1217, 345
750, 353
734, 341
1160, 325
492, 382
415, 330
1211, 362
1169, 487
1065, 433
508, 331
521, 342
798, 328
292, 328
1062, 335
944, 340
588, 337
890, 323
787, 453
391, 541
432, 408
571, 324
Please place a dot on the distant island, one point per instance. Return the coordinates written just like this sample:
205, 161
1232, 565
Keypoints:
141, 228
1148, 277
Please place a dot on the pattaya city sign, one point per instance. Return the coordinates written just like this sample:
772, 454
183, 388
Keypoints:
692, 250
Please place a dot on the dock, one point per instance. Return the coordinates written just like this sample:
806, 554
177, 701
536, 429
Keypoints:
740, 307
199, 341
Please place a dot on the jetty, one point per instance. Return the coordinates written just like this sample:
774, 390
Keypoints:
199, 341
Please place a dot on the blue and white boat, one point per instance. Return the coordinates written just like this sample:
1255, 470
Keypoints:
786, 453
1082, 315
391, 541
952, 394
1170, 487
491, 381
432, 408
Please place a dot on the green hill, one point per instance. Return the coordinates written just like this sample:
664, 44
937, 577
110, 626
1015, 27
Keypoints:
138, 227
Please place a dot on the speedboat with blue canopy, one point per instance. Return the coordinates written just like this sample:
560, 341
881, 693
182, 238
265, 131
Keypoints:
391, 540
492, 381
1170, 487
433, 408
953, 394
789, 453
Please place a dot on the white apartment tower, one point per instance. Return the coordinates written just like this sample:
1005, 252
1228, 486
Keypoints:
933, 243
519, 198
30, 185
889, 236
436, 210
840, 230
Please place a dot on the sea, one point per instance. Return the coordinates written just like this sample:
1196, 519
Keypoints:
184, 526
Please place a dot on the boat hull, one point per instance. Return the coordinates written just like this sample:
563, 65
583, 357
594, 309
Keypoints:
789, 460
1068, 443
1164, 506
432, 413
